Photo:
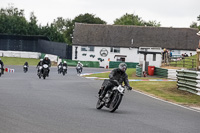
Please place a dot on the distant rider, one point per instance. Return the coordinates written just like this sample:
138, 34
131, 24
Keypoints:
60, 65
65, 64
39, 64
118, 74
2, 65
47, 61
26, 64
79, 65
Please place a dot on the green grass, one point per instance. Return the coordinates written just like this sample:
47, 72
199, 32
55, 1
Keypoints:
188, 62
19, 61
166, 90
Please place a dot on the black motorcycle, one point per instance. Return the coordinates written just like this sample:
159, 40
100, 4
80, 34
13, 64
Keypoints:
64, 70
113, 97
59, 69
78, 68
45, 71
25, 68
39, 72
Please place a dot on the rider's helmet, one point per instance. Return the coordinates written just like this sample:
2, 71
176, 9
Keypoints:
123, 67
79, 62
65, 62
46, 56
41, 59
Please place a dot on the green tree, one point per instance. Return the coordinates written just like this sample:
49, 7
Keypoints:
82, 18
88, 18
12, 21
33, 28
132, 19
51, 32
194, 24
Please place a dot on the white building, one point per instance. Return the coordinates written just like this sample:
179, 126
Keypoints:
104, 43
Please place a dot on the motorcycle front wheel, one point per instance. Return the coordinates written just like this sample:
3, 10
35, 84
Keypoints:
99, 104
115, 101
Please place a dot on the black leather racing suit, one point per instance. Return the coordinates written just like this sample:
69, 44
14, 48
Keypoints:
2, 65
116, 74
48, 62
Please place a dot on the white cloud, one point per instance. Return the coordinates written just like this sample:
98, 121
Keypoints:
176, 13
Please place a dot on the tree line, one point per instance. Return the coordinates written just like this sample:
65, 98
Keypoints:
13, 22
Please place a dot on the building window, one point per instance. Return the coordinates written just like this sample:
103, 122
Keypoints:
87, 48
154, 57
114, 50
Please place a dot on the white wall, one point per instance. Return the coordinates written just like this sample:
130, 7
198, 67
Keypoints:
21, 54
131, 53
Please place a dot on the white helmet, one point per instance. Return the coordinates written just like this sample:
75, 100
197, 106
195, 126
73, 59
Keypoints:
65, 62
41, 59
79, 62
46, 56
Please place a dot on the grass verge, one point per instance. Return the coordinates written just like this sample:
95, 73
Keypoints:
21, 61
166, 90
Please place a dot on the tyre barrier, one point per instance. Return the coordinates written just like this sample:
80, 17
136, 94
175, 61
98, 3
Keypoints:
138, 71
189, 81
159, 72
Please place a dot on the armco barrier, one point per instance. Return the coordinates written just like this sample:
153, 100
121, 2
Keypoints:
189, 81
115, 64
85, 63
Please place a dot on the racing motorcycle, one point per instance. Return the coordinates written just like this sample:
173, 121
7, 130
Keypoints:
45, 71
39, 73
59, 69
113, 97
64, 70
78, 70
25, 68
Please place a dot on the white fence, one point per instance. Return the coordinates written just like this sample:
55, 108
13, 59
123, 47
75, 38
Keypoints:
21, 54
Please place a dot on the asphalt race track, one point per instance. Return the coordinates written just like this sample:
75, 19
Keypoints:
66, 104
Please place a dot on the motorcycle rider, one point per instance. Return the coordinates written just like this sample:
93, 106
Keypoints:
47, 61
60, 65
65, 64
26, 64
2, 65
39, 64
79, 65
117, 74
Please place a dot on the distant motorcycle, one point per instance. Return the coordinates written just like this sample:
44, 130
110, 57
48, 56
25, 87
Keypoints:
39, 73
25, 68
59, 69
45, 71
113, 97
64, 70
78, 70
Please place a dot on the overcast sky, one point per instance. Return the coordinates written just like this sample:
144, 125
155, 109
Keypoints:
175, 13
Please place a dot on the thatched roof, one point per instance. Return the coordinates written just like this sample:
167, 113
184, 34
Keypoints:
135, 36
